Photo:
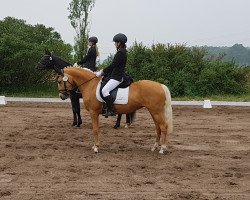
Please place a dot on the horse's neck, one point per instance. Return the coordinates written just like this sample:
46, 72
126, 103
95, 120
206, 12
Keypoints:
83, 79
79, 75
60, 63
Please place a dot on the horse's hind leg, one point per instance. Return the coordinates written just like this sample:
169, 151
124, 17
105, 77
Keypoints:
162, 131
118, 121
158, 137
128, 120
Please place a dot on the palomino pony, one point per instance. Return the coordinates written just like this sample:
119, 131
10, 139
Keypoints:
145, 93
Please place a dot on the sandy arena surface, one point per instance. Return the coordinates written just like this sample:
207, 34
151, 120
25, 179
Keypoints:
43, 158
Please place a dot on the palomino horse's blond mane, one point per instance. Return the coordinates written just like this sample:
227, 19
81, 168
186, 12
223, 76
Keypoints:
145, 93
79, 67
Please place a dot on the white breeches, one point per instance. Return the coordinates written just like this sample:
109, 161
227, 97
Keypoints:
111, 84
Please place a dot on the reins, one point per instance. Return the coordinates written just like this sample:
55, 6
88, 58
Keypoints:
74, 88
83, 83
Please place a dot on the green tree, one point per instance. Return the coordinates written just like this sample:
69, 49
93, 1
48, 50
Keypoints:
21, 46
79, 17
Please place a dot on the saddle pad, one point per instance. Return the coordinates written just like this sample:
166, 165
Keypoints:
121, 97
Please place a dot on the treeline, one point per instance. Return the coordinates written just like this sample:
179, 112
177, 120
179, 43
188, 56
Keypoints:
237, 53
186, 71
21, 46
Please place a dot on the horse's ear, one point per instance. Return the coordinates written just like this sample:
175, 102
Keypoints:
47, 52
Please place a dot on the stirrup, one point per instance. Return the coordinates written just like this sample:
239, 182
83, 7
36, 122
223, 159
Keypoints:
109, 113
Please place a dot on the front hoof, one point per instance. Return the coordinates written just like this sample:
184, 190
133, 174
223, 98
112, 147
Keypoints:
163, 149
155, 147
116, 126
95, 148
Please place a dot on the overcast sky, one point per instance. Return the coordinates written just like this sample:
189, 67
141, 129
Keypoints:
190, 22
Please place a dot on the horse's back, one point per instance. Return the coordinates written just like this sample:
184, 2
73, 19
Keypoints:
147, 87
146, 92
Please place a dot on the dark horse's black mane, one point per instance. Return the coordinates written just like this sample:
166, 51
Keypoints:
60, 63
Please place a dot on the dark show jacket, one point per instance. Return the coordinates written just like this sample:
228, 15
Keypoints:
89, 61
117, 67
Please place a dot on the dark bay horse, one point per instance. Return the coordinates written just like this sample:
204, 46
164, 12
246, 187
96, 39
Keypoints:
49, 61
145, 93
57, 64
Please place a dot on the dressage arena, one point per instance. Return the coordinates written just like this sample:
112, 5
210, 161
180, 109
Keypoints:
43, 157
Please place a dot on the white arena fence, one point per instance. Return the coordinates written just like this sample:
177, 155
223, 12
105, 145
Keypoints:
177, 103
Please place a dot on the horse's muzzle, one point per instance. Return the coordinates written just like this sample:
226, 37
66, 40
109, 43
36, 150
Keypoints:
64, 95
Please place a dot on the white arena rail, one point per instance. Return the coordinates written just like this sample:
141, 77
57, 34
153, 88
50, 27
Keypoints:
177, 103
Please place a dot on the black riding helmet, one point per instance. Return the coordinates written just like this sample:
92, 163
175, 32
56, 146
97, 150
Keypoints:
93, 39
120, 37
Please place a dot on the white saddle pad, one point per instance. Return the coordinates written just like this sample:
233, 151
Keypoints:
121, 97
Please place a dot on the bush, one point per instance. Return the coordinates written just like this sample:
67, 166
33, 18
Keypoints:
185, 70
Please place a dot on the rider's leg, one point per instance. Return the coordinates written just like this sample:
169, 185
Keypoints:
111, 84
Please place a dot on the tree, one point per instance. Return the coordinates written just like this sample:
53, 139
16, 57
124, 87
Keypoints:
21, 46
79, 16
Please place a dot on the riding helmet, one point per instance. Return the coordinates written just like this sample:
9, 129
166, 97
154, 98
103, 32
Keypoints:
93, 39
120, 37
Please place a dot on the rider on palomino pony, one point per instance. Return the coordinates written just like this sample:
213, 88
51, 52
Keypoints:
115, 71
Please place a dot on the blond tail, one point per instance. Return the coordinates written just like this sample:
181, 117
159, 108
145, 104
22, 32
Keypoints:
168, 109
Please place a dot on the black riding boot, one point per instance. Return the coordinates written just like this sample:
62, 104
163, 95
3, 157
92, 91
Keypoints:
110, 108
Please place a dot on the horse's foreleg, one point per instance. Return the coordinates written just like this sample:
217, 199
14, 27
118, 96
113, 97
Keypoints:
74, 118
75, 104
78, 112
95, 126
79, 121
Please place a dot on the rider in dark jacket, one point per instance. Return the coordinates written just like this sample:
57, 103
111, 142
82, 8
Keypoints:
89, 61
116, 72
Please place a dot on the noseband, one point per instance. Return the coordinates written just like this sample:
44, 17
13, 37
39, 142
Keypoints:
66, 91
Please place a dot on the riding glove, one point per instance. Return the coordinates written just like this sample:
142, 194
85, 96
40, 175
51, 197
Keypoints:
99, 73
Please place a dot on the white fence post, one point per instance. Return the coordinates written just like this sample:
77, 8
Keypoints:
2, 100
207, 104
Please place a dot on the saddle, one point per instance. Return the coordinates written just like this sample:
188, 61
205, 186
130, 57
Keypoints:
121, 89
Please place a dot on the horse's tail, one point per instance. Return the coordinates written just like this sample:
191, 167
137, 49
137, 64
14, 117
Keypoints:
168, 109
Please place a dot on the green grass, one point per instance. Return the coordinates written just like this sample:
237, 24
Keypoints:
39, 91
43, 91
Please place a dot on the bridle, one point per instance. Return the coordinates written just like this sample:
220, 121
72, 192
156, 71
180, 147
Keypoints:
67, 91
